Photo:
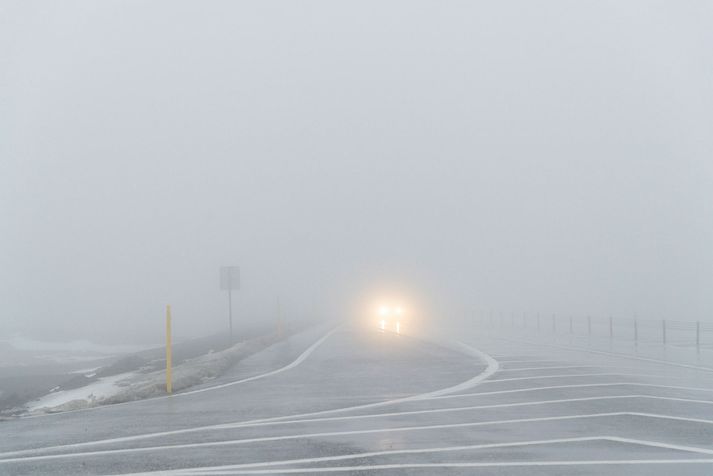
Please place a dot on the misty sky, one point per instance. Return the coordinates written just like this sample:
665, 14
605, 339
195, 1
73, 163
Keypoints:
518, 155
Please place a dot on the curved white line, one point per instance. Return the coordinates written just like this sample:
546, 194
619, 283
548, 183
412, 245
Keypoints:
302, 357
490, 369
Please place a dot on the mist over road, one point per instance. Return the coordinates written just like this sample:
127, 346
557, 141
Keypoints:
528, 180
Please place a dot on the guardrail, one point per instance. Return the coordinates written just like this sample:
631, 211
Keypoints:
663, 331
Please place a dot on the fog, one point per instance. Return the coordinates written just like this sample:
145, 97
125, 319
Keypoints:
467, 155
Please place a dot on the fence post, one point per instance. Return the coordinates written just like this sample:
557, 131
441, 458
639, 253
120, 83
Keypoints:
554, 324
524, 321
538, 322
570, 325
663, 330
589, 325
636, 332
611, 327
698, 336
512, 319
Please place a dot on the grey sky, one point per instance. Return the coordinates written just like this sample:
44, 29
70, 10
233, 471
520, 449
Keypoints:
519, 155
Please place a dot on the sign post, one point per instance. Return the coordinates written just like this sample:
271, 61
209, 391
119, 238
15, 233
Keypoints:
229, 280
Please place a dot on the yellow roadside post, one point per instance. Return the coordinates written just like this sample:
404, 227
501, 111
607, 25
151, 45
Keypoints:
169, 383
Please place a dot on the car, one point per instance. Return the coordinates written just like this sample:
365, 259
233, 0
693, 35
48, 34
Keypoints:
390, 318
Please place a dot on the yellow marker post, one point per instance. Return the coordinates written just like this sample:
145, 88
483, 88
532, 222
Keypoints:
169, 383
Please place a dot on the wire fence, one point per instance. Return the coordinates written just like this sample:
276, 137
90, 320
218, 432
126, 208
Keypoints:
664, 331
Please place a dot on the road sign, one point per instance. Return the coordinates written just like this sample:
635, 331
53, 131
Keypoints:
229, 277
229, 280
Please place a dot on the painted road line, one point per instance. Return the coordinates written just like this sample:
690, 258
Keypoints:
566, 367
352, 432
372, 454
504, 464
490, 369
467, 408
307, 435
533, 361
603, 374
582, 385
301, 358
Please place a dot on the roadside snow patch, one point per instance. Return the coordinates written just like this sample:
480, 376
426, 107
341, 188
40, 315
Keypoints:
83, 396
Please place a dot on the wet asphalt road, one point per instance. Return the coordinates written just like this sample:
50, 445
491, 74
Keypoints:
371, 403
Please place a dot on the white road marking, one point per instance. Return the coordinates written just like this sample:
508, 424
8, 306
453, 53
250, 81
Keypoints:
449, 410
281, 420
582, 385
373, 467
566, 367
536, 377
462, 409
303, 435
491, 368
349, 432
533, 361
301, 358
658, 444
671, 417
431, 396
371, 454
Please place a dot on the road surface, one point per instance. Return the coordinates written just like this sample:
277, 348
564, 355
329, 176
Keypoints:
364, 402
